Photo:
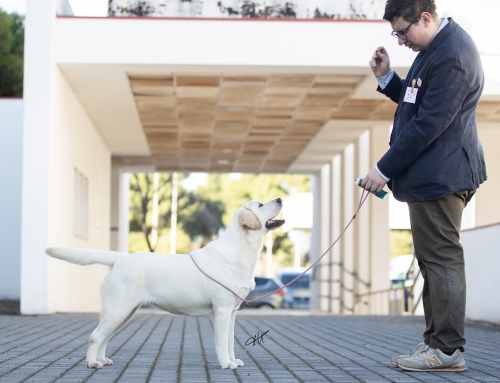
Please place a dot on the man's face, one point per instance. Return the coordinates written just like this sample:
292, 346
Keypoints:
417, 35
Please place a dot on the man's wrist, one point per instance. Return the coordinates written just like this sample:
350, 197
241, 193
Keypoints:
382, 174
384, 80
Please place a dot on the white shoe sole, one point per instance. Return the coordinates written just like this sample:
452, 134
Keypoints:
449, 369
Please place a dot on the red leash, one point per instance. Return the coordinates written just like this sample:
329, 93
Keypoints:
247, 302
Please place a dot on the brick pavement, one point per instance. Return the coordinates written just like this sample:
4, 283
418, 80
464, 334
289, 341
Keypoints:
298, 347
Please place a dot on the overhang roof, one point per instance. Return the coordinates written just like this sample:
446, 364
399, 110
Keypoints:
226, 110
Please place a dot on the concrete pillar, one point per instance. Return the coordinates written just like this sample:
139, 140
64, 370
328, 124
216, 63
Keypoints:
119, 231
315, 240
487, 210
65, 179
39, 70
325, 242
378, 213
363, 256
347, 257
336, 228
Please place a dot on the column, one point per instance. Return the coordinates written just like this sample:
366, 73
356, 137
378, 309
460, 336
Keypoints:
347, 257
379, 227
315, 240
362, 225
119, 230
39, 70
325, 242
336, 228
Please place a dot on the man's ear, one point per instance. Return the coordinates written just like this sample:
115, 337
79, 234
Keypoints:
248, 219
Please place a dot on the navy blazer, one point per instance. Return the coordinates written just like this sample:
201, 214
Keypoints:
434, 146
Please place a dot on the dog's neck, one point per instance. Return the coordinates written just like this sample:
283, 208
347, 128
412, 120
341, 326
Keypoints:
245, 252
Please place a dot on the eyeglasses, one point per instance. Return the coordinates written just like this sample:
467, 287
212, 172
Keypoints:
402, 35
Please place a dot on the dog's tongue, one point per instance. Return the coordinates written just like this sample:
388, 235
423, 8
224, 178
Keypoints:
274, 223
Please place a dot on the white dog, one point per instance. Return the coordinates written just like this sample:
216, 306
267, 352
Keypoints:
174, 283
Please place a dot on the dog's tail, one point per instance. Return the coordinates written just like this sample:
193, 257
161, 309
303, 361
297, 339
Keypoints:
84, 256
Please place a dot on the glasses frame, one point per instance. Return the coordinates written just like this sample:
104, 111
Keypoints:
402, 35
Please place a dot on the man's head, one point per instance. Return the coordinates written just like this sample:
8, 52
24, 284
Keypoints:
414, 22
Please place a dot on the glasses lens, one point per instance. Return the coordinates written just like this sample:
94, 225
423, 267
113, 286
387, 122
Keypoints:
398, 35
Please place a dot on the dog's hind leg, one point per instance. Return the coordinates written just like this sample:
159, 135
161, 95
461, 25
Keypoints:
222, 319
111, 319
232, 358
101, 351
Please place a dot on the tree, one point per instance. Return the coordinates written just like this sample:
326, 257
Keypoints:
201, 219
141, 201
11, 54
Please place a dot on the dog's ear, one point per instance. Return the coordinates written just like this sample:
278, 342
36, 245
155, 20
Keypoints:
248, 219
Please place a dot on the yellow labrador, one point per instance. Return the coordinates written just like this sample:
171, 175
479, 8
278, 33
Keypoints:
173, 283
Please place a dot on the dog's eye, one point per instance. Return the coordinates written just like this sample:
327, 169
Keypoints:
260, 205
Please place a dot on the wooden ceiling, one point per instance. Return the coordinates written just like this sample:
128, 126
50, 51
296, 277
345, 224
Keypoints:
259, 123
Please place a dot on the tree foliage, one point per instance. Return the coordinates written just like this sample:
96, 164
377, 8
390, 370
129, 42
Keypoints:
11, 54
205, 211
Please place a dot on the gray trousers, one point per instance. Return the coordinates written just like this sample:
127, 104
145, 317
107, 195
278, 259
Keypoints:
435, 226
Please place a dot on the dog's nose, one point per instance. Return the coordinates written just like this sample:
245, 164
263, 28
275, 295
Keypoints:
278, 200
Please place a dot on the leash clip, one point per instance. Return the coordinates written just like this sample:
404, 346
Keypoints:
245, 304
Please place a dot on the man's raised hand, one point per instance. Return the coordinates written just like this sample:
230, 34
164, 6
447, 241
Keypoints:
380, 63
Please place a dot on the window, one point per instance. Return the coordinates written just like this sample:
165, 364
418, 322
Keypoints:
80, 224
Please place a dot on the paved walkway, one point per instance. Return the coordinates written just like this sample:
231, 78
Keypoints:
296, 347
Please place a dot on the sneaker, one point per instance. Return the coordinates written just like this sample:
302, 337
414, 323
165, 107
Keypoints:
433, 359
420, 347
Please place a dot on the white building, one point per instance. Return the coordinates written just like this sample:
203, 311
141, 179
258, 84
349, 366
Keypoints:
104, 96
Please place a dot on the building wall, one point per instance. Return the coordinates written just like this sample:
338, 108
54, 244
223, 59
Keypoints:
487, 210
76, 144
58, 137
11, 140
482, 262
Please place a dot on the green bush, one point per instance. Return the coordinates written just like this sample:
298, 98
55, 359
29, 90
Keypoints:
11, 54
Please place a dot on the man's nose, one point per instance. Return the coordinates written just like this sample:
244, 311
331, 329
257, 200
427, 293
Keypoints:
401, 41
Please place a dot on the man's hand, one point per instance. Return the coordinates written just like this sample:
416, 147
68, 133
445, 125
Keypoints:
380, 63
373, 181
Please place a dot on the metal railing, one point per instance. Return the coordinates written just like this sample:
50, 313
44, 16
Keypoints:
398, 300
403, 300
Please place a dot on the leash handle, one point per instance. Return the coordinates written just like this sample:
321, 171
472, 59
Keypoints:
364, 196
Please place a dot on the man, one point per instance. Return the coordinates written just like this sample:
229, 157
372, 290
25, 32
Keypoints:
435, 163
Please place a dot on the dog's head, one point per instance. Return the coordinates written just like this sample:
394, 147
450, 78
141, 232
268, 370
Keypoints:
255, 215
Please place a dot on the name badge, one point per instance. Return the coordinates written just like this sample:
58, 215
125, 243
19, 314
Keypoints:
411, 95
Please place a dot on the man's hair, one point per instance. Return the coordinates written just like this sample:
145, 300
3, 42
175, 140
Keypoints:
410, 10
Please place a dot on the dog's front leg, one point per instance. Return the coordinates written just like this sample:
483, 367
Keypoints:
232, 358
222, 319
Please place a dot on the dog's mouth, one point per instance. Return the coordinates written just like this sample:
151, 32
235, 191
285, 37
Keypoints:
274, 223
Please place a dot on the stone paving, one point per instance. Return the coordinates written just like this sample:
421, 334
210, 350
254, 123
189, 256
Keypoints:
297, 347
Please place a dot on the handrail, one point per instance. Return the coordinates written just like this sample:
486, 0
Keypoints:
352, 273
410, 291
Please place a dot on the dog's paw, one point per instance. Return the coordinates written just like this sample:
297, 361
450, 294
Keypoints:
228, 364
95, 364
106, 362
238, 362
